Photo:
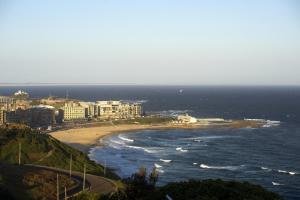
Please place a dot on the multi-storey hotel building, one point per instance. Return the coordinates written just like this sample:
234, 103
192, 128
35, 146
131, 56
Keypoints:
73, 110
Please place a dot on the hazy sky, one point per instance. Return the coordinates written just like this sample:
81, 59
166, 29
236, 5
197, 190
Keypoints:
241, 42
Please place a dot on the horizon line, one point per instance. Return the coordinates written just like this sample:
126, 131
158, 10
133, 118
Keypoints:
5, 84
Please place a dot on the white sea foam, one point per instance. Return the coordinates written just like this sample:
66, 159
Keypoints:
181, 149
157, 165
268, 123
231, 168
141, 148
205, 166
267, 126
125, 139
184, 150
114, 145
166, 161
247, 119
149, 150
135, 101
292, 173
266, 169
196, 140
276, 184
160, 171
195, 163
171, 112
283, 171
117, 142
134, 147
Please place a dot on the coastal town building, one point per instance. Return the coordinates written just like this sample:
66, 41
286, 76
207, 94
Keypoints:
53, 101
52, 110
23, 104
118, 110
33, 117
7, 100
7, 103
2, 117
90, 109
20, 94
73, 110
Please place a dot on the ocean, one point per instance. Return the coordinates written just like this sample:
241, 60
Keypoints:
268, 156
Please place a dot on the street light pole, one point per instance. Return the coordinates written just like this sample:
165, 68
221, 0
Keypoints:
71, 166
20, 149
57, 187
83, 185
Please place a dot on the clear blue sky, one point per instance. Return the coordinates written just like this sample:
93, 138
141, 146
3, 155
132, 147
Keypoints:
232, 42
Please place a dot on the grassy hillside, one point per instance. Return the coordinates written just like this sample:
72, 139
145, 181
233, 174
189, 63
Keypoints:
42, 149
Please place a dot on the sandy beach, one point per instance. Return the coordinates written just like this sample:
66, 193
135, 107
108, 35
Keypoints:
84, 138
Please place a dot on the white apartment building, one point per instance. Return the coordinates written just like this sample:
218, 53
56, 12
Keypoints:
90, 109
118, 109
73, 110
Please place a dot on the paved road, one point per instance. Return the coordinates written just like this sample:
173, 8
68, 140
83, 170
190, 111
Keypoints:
93, 183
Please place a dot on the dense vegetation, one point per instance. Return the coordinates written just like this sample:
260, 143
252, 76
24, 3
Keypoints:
42, 149
141, 187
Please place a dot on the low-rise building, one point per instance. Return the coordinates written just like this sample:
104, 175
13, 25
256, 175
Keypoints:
73, 110
20, 94
7, 103
118, 110
33, 117
23, 104
2, 117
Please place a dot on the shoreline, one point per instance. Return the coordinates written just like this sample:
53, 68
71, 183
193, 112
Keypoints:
84, 138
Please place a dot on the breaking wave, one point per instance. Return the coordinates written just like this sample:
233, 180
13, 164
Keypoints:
160, 171
135, 101
231, 168
181, 149
148, 150
165, 161
125, 139
268, 123
171, 112
266, 169
157, 165
276, 184
287, 172
280, 171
